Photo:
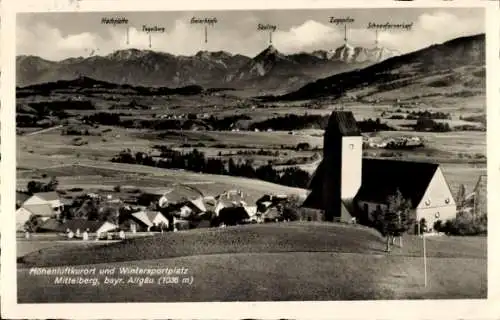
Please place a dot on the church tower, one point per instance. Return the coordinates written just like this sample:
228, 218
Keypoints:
342, 161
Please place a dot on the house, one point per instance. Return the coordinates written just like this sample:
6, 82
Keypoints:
190, 207
53, 225
253, 216
197, 205
267, 201
271, 215
23, 215
345, 185
51, 198
146, 219
26, 209
42, 211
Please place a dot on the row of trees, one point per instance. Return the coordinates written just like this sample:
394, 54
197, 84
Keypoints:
287, 122
415, 115
426, 124
197, 162
298, 122
214, 123
35, 186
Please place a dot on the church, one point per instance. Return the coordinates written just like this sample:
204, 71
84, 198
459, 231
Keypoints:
346, 185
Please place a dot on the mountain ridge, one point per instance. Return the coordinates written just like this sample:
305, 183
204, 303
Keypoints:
270, 68
402, 71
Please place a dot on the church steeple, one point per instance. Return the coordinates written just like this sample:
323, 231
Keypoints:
342, 157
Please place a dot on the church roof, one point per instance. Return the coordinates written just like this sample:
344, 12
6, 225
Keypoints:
381, 178
343, 123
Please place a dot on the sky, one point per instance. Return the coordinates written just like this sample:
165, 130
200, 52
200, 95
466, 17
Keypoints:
56, 36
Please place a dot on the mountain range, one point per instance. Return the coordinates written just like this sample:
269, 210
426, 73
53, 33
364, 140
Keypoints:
453, 69
270, 70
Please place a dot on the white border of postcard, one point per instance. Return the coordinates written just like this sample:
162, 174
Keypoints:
422, 309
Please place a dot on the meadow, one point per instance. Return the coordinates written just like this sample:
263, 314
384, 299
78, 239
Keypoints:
323, 261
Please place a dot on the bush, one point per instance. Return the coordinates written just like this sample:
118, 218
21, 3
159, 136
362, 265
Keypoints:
308, 214
291, 214
438, 226
465, 224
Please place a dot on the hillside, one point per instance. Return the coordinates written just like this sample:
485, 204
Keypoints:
323, 261
256, 238
87, 86
269, 69
454, 69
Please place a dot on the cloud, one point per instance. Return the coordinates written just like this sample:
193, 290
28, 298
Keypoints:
310, 34
49, 42
433, 28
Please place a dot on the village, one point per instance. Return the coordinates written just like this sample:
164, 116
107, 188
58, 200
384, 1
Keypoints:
108, 217
359, 189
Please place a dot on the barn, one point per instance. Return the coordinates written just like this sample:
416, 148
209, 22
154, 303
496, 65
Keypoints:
345, 185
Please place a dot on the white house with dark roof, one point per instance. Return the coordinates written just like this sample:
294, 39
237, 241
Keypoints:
346, 185
50, 198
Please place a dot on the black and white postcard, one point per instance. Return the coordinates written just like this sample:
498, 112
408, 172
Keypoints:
225, 154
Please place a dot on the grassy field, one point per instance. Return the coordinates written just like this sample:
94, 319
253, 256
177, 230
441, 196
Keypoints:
150, 179
323, 261
25, 247
49, 151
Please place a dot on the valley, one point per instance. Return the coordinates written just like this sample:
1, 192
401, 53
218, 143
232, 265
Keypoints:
86, 119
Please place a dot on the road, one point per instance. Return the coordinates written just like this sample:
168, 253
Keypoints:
44, 130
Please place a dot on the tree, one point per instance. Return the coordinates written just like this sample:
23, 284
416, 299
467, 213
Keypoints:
52, 184
109, 214
461, 196
34, 187
396, 218
89, 210
33, 223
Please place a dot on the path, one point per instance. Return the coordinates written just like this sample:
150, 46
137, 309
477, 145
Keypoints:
44, 130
